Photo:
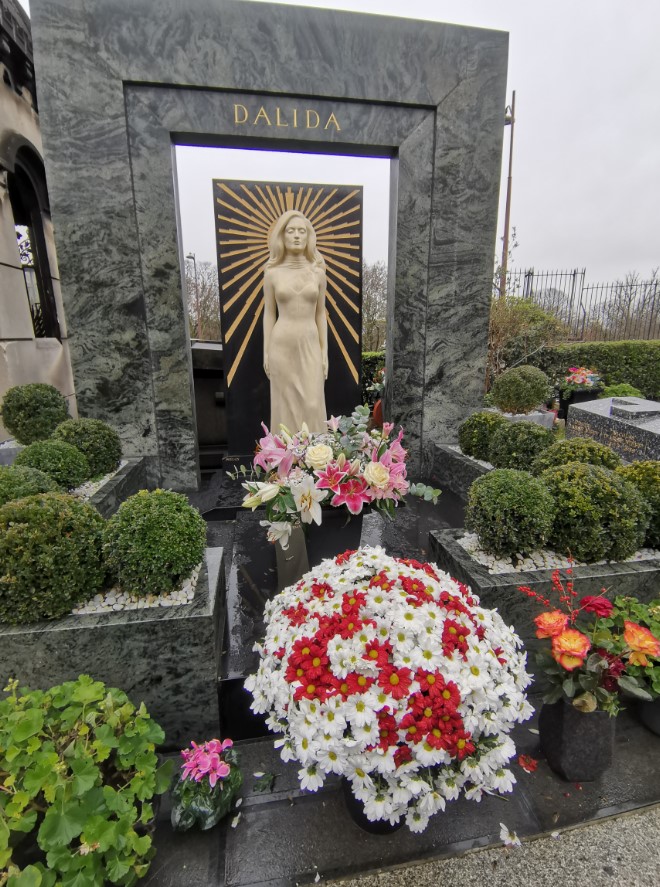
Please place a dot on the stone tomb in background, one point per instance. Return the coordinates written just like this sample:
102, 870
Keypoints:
120, 83
629, 425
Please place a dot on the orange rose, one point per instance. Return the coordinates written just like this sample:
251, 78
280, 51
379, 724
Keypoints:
641, 642
570, 648
549, 625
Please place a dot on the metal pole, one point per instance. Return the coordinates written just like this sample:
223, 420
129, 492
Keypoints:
509, 120
199, 315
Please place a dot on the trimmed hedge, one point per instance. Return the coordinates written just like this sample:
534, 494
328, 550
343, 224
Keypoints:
67, 466
517, 444
576, 449
621, 389
475, 434
19, 481
371, 362
33, 411
520, 389
96, 440
646, 477
635, 363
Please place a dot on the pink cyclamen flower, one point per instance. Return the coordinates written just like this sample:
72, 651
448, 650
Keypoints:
353, 493
205, 761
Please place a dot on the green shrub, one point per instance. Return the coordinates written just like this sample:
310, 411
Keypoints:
517, 444
154, 541
510, 511
50, 557
372, 361
576, 449
98, 442
31, 412
475, 434
61, 461
18, 481
635, 363
646, 477
621, 390
82, 765
520, 389
599, 515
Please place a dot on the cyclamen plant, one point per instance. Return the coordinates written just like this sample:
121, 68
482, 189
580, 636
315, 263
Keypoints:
389, 673
580, 379
591, 659
207, 785
345, 466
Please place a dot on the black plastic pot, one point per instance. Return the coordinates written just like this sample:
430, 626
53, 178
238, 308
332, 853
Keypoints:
649, 715
357, 814
577, 745
568, 397
339, 531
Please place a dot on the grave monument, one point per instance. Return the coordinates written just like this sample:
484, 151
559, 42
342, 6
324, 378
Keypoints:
120, 83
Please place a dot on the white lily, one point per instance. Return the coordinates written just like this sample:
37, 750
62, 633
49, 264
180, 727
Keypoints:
263, 493
307, 499
278, 531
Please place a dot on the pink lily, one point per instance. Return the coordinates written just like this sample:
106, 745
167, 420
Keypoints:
354, 493
330, 477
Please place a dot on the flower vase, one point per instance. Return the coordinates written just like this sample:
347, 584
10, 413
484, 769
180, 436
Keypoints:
356, 812
649, 715
566, 398
577, 745
339, 531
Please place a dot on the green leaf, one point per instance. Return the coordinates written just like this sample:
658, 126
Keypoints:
29, 877
569, 687
631, 686
265, 783
164, 776
116, 869
30, 723
61, 825
4, 834
85, 774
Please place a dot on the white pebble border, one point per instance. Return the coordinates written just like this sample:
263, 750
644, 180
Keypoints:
89, 488
115, 599
481, 462
544, 559
6, 444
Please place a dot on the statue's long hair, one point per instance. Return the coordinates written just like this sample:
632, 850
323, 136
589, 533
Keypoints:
276, 241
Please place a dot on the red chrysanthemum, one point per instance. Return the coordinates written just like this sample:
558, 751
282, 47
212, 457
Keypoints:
395, 681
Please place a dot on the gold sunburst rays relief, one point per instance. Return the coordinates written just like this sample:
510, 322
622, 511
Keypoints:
245, 213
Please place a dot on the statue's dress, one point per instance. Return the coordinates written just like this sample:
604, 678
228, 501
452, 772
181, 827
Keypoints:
296, 370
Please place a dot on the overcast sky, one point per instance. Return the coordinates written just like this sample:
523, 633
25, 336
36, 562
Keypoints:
586, 175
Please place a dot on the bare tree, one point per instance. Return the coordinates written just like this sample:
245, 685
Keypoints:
203, 294
374, 305
631, 311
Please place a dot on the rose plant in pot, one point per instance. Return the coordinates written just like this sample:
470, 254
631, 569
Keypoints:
590, 664
578, 386
388, 673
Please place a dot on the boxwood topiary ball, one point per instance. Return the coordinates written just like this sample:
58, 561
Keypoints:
50, 557
96, 440
18, 481
646, 477
61, 461
517, 444
510, 511
475, 434
576, 449
598, 514
154, 541
520, 389
32, 412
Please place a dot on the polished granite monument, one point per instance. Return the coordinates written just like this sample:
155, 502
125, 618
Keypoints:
120, 83
629, 425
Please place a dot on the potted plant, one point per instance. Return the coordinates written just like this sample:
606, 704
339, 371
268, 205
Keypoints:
644, 664
388, 673
590, 663
520, 393
208, 782
78, 770
346, 467
580, 385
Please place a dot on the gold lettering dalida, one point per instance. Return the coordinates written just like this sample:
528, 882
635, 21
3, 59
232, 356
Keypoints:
309, 118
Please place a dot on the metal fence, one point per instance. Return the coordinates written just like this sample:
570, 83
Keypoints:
628, 309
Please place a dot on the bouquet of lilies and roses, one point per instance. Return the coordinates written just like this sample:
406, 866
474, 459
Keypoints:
596, 654
388, 672
580, 379
295, 474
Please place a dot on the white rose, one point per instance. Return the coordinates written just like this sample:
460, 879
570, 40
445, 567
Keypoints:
377, 475
318, 456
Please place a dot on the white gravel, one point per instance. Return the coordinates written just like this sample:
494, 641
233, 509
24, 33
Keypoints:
11, 443
543, 559
91, 487
115, 599
481, 462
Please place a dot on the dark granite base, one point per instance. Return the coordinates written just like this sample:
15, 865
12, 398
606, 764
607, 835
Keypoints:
289, 836
453, 471
633, 440
166, 656
126, 482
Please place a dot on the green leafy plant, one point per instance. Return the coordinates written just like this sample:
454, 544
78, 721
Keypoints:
78, 770
594, 654
598, 514
50, 557
153, 542
208, 782
520, 389
32, 412
646, 668
621, 390
510, 511
517, 444
475, 434
646, 477
576, 449
18, 481
96, 440
61, 461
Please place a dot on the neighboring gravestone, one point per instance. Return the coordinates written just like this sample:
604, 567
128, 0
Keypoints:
629, 425
120, 83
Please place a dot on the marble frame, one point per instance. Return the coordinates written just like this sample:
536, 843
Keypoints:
444, 85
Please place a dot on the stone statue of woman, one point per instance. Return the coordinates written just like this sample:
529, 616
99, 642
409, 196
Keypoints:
295, 325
